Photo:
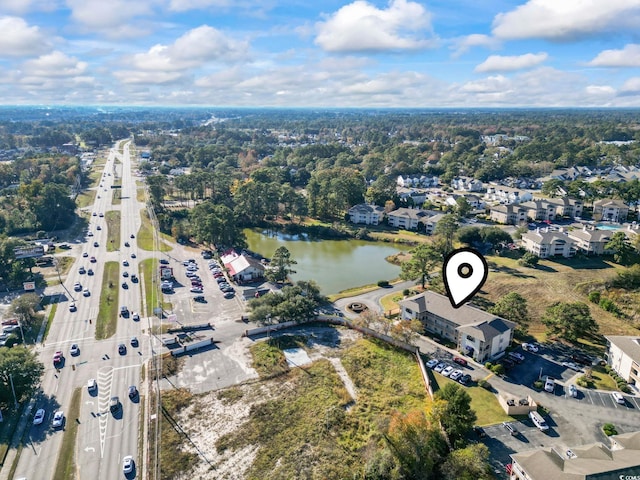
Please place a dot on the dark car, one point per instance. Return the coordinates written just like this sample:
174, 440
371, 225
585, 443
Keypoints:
95, 244
124, 285
199, 298
133, 391
122, 349
479, 431
164, 261
114, 404
465, 379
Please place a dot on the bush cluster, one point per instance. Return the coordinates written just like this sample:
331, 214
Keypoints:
609, 429
620, 382
484, 384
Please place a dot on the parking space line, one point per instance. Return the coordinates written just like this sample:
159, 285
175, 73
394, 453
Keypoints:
635, 402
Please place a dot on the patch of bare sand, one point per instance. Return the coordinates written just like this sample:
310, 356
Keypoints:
211, 416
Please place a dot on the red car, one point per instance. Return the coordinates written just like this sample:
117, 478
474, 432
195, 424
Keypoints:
57, 358
460, 360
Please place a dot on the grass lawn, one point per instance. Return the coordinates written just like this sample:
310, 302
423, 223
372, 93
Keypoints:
112, 218
116, 195
66, 465
145, 237
553, 281
483, 402
7, 428
602, 380
107, 320
311, 428
147, 274
86, 198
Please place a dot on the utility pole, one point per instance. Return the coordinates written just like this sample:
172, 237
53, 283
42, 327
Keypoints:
15, 399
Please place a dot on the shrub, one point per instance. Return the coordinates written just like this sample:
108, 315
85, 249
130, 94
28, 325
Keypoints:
488, 365
585, 381
625, 388
538, 384
406, 292
609, 306
609, 429
594, 297
528, 260
498, 369
484, 384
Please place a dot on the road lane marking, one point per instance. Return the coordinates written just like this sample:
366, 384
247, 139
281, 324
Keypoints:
105, 377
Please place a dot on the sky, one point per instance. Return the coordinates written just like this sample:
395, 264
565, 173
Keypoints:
321, 53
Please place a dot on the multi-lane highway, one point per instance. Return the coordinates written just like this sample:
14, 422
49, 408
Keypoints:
104, 438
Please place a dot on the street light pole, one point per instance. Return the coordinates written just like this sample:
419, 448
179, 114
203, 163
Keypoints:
15, 399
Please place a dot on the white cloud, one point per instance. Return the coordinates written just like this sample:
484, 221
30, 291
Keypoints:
18, 39
566, 19
499, 63
53, 65
629, 56
24, 6
630, 87
111, 18
184, 5
464, 44
137, 77
361, 26
493, 84
600, 90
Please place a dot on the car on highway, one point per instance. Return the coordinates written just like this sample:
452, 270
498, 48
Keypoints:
125, 285
77, 286
39, 416
134, 278
74, 350
93, 260
96, 244
530, 347
58, 419
72, 307
573, 391
439, 367
122, 349
448, 370
132, 392
101, 214
127, 464
125, 263
85, 254
126, 244
134, 341
98, 227
124, 312
549, 385
90, 271
618, 398
92, 385
132, 236
58, 357
432, 363
94, 214
133, 255
86, 292
89, 234
136, 317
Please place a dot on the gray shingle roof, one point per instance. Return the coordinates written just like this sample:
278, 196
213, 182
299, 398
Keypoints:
629, 345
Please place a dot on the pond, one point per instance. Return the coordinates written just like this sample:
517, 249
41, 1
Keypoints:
335, 265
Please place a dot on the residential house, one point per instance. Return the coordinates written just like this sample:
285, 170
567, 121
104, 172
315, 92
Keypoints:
623, 355
407, 218
585, 462
366, 213
473, 200
477, 333
508, 214
424, 181
431, 222
610, 210
545, 244
566, 207
591, 241
414, 196
507, 195
241, 267
467, 184
539, 210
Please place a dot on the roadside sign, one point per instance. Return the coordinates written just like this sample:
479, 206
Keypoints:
28, 252
29, 286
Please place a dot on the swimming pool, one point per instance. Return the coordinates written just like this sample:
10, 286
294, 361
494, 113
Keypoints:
607, 226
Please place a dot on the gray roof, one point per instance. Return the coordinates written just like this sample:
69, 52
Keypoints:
483, 323
547, 237
366, 208
592, 459
608, 202
488, 329
629, 345
408, 212
592, 235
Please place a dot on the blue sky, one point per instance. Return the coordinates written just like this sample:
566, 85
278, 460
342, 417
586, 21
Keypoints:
300, 53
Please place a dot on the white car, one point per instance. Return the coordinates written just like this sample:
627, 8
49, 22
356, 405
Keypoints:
72, 307
74, 350
572, 366
92, 384
438, 368
432, 363
447, 371
127, 464
39, 416
456, 374
573, 391
617, 396
530, 347
58, 419
549, 385
136, 317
